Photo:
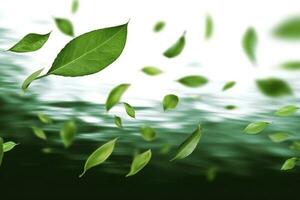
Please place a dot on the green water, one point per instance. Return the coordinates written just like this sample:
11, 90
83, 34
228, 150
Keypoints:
247, 166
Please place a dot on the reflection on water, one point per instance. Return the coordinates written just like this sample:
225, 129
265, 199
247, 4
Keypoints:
224, 146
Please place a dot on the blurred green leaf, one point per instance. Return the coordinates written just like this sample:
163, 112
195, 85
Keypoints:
115, 95
228, 85
291, 65
7, 146
151, 71
279, 137
44, 118
39, 133
65, 26
295, 146
256, 127
209, 26
31, 78
148, 133
230, 107
176, 48
1, 151
249, 43
274, 87
211, 174
289, 29
286, 110
289, 164
193, 81
68, 132
75, 5
118, 121
159, 26
170, 101
139, 162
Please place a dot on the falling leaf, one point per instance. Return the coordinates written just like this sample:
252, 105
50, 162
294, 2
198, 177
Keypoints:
99, 156
39, 133
288, 29
256, 127
148, 133
286, 110
291, 65
193, 81
279, 137
139, 162
159, 26
189, 145
31, 78
151, 71
165, 149
273, 87
115, 95
44, 118
1, 151
7, 146
118, 121
211, 174
228, 85
295, 146
289, 164
230, 107
31, 42
209, 26
249, 43
75, 5
65, 26
176, 48
170, 101
68, 132
129, 110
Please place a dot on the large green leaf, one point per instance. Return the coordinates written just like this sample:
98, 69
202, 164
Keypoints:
209, 27
288, 29
99, 155
30, 42
249, 43
139, 162
115, 95
170, 101
176, 48
68, 132
193, 81
65, 26
274, 87
189, 145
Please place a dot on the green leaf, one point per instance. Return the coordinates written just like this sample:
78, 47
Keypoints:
289, 164
65, 26
170, 101
139, 162
44, 118
118, 121
279, 137
189, 145
31, 42
151, 71
75, 5
99, 156
256, 127
1, 150
31, 78
39, 133
249, 43
68, 132
288, 29
193, 81
7, 146
115, 95
228, 85
129, 110
148, 133
291, 65
274, 87
159, 26
165, 149
295, 146
209, 25
286, 110
176, 48
211, 174
230, 107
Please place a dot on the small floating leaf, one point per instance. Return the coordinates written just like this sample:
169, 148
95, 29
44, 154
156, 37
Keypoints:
99, 156
75, 5
31, 42
279, 137
295, 145
65, 26
7, 146
115, 95
148, 133
39, 133
165, 149
286, 110
228, 85
288, 29
230, 107
139, 162
291, 65
249, 43
209, 25
273, 87
211, 174
159, 26
151, 71
118, 121
193, 81
68, 132
31, 78
289, 164
1, 150
176, 48
170, 101
129, 110
189, 145
44, 118
256, 127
